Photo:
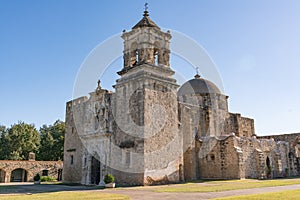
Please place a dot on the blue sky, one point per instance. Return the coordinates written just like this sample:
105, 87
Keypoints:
254, 44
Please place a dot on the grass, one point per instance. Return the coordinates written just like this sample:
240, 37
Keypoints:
67, 196
287, 195
217, 186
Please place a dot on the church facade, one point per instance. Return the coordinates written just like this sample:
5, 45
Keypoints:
151, 130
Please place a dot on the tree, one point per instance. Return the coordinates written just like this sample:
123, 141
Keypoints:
4, 151
52, 141
19, 140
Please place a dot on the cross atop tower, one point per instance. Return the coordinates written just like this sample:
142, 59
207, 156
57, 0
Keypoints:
146, 6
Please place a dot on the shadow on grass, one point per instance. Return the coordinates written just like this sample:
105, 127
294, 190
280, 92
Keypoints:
44, 188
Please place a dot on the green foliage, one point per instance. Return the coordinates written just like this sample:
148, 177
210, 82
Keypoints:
15, 155
4, 150
37, 177
47, 179
109, 178
18, 140
52, 141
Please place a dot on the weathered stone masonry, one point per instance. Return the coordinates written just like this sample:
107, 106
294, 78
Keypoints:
23, 171
152, 131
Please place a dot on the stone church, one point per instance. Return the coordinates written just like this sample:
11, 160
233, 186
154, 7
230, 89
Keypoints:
150, 130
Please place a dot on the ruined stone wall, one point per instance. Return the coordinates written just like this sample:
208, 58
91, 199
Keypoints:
32, 168
246, 127
255, 153
293, 168
240, 126
242, 157
219, 159
290, 138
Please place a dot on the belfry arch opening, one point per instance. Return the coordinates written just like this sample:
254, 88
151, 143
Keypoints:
18, 175
134, 54
156, 55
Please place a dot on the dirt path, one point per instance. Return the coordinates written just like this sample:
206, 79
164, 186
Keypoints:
138, 193
147, 194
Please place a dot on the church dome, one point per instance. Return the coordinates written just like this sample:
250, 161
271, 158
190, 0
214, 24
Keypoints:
198, 85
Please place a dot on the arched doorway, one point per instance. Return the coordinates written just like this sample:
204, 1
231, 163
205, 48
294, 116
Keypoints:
2, 176
269, 168
59, 175
268, 162
18, 175
95, 171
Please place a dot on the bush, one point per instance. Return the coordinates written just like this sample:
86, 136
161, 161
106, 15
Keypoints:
37, 177
47, 179
109, 178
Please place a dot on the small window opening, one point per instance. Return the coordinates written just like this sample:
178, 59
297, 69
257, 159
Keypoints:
45, 172
72, 159
127, 158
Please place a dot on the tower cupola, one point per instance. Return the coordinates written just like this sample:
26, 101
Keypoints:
145, 44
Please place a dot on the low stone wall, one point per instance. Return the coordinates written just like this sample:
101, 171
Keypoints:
28, 169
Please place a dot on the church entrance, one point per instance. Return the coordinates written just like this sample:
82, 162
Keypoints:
95, 171
18, 175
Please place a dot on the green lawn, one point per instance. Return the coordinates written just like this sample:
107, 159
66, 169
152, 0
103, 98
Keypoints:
286, 195
67, 196
217, 186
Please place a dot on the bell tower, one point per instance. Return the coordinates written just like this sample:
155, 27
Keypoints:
146, 44
146, 107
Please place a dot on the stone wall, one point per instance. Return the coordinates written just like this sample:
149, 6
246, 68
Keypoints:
73, 148
294, 150
146, 131
234, 157
163, 141
219, 159
31, 168
240, 126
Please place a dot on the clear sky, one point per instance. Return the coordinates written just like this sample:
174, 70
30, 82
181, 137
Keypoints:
254, 44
